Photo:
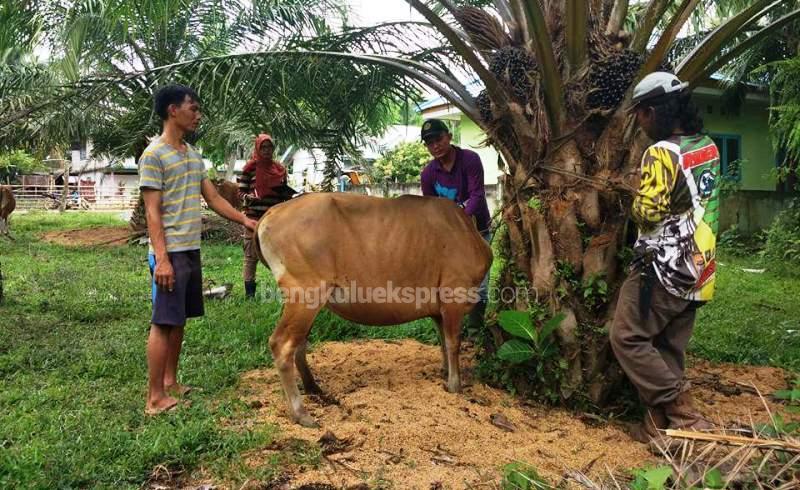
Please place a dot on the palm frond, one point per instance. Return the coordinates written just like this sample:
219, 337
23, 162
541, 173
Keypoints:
649, 19
692, 63
577, 21
543, 47
745, 45
617, 17
464, 51
667, 38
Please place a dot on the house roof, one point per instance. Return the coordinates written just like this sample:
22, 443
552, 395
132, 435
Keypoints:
474, 88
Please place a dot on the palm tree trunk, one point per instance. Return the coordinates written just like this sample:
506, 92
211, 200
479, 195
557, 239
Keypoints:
231, 167
566, 226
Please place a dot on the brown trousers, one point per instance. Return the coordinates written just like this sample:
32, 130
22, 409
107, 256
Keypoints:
652, 350
250, 256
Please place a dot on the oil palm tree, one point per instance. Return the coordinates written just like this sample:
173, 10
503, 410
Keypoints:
556, 76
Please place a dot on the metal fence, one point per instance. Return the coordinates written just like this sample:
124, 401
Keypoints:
88, 197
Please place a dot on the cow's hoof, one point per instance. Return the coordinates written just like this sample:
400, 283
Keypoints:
307, 421
453, 388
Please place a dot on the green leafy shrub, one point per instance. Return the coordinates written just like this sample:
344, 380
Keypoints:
530, 360
529, 343
402, 164
16, 163
783, 236
651, 478
791, 397
520, 476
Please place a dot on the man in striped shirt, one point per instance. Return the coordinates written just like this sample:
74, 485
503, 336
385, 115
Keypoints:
172, 178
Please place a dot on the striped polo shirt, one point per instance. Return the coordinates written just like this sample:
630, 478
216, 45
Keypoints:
178, 176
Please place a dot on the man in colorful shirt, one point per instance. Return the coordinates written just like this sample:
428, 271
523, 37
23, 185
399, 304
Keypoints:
261, 186
457, 174
172, 178
676, 210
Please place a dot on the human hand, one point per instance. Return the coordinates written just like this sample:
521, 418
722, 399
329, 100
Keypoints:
164, 274
250, 224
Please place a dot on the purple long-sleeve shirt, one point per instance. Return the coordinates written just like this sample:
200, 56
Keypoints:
462, 184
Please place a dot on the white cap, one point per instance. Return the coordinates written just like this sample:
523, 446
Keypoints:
655, 85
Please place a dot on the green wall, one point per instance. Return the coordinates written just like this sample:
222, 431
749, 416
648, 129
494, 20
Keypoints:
752, 125
472, 137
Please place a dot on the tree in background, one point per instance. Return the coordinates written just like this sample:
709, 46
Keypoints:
785, 120
16, 163
109, 56
401, 165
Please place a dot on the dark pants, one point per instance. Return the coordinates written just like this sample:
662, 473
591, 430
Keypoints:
250, 256
172, 308
652, 350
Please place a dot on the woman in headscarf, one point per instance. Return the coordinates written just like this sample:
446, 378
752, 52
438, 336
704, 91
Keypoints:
259, 185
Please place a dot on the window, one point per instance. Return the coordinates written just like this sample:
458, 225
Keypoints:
80, 146
730, 155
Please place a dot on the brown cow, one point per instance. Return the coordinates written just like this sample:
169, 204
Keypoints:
230, 192
7, 205
422, 252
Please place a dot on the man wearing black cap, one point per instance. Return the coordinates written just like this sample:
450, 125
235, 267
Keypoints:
457, 174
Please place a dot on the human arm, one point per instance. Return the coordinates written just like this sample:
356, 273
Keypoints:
475, 187
426, 182
151, 182
659, 171
163, 273
222, 207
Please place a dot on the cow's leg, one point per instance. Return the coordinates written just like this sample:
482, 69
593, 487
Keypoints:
438, 321
451, 324
289, 335
310, 386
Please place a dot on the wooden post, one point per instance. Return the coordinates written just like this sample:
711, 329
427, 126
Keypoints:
65, 191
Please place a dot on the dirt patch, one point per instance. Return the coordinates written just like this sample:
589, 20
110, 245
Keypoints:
391, 423
90, 237
735, 395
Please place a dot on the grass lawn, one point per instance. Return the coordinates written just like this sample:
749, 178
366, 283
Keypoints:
72, 358
74, 327
754, 318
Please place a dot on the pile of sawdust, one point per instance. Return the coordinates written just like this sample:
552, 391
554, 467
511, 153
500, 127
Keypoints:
395, 425
734, 395
90, 237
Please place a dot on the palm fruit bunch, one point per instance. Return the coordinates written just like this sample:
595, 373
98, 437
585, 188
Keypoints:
516, 67
485, 106
611, 77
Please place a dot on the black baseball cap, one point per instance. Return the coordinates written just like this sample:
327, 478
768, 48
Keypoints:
433, 127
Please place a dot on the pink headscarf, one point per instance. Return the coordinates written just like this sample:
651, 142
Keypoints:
269, 174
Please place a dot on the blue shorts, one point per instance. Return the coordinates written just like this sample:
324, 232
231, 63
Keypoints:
172, 308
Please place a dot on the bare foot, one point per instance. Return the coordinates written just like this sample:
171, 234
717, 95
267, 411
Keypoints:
161, 405
178, 389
